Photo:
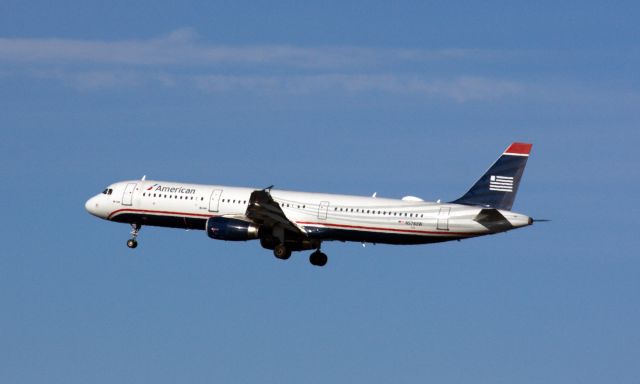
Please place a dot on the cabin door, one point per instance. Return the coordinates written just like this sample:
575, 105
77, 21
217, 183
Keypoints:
443, 219
127, 197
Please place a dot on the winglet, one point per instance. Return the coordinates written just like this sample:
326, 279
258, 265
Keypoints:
518, 149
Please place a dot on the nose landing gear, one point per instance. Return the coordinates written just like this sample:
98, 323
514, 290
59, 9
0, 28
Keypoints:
132, 242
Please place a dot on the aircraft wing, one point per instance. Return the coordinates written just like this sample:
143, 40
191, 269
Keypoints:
264, 210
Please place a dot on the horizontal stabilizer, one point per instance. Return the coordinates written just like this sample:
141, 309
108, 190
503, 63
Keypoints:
493, 220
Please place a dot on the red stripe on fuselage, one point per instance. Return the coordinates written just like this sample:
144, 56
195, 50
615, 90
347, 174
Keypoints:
156, 212
388, 229
410, 231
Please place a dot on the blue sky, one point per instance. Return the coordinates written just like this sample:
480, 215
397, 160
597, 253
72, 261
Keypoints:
402, 98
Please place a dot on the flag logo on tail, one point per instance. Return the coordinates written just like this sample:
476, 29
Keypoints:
501, 183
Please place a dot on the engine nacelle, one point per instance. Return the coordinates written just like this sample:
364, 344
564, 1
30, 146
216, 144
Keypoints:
222, 228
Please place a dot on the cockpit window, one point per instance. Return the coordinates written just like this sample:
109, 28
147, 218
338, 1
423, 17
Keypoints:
107, 191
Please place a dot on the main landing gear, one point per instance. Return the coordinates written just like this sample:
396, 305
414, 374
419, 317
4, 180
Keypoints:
132, 242
318, 258
283, 252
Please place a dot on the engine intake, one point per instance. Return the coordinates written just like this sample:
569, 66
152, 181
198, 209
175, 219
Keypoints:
222, 228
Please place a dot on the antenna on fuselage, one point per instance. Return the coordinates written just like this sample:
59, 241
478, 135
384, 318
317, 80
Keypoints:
144, 177
374, 194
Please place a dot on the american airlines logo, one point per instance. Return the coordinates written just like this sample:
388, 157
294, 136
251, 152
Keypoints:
160, 188
501, 183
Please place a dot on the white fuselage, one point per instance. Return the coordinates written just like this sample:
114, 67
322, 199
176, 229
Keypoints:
321, 216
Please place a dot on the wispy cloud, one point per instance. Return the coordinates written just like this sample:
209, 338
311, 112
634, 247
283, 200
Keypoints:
181, 59
93, 79
182, 47
457, 88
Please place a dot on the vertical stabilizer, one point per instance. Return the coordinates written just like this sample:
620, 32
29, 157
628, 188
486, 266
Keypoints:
497, 188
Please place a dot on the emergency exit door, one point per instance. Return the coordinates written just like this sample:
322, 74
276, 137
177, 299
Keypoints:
214, 201
322, 210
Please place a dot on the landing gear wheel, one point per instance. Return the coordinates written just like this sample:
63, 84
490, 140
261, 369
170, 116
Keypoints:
135, 229
282, 252
318, 259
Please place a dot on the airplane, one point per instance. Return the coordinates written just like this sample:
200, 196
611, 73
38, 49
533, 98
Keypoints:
285, 221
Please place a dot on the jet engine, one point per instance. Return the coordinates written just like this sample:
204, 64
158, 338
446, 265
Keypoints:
223, 228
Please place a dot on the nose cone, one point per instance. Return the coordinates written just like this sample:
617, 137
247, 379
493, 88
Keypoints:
93, 206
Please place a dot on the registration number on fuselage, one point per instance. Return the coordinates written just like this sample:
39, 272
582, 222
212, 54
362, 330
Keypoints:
411, 223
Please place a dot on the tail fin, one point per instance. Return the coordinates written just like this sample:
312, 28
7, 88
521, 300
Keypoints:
497, 188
